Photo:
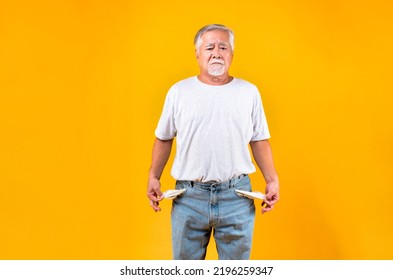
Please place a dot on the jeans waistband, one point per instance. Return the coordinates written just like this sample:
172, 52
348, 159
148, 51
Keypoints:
207, 185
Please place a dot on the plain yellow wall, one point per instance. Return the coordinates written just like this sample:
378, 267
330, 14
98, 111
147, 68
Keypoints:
82, 84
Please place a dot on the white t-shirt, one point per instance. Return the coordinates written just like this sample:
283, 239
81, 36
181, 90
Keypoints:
213, 126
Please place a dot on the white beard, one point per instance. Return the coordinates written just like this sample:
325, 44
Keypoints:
216, 70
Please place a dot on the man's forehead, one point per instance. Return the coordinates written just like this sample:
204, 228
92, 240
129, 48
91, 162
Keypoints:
215, 36
208, 43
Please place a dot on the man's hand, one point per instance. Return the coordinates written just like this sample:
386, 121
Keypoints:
161, 152
154, 194
263, 156
272, 196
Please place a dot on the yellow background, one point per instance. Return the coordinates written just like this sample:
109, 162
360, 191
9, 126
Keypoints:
82, 84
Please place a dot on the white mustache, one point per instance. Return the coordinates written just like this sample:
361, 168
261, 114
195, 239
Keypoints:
220, 61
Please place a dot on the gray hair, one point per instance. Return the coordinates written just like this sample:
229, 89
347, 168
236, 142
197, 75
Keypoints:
211, 27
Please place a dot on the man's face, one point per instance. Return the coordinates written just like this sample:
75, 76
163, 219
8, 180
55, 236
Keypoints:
215, 54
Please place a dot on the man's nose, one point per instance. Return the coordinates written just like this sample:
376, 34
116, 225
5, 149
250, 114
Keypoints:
216, 53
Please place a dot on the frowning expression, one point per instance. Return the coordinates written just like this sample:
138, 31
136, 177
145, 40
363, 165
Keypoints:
215, 54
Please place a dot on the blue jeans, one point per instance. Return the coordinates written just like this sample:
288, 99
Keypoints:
204, 208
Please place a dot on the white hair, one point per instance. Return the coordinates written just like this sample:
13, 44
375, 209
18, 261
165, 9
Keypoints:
211, 27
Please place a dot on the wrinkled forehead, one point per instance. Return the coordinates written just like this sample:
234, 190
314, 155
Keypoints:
220, 44
214, 37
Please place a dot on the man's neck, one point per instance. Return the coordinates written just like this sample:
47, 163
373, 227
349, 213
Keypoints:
215, 80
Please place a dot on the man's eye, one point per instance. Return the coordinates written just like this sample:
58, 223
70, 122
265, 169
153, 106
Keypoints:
209, 49
223, 48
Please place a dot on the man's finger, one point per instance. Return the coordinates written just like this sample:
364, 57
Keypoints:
267, 209
271, 202
155, 197
272, 198
154, 205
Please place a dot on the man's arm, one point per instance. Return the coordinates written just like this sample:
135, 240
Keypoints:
161, 151
262, 153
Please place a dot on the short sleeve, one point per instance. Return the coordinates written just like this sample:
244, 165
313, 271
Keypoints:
260, 127
166, 128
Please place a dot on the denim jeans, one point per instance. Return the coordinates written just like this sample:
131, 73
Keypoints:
204, 208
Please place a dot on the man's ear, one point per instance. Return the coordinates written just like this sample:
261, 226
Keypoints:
196, 53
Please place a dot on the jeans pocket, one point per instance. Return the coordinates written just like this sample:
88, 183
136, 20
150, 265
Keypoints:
181, 185
243, 185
